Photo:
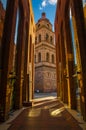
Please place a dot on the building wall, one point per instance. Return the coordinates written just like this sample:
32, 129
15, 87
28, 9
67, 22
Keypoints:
31, 41
16, 88
45, 79
45, 68
65, 57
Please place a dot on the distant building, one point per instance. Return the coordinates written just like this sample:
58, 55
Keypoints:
45, 56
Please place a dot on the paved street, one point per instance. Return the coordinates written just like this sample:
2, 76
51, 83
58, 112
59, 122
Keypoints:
46, 114
42, 95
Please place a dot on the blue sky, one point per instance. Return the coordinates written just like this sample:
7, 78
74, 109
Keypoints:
4, 3
39, 6
47, 6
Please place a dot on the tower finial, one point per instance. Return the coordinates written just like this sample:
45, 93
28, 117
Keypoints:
43, 15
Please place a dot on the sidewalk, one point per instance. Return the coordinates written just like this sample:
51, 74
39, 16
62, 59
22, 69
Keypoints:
44, 95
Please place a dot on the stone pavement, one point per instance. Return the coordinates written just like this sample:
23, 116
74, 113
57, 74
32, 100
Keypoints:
46, 114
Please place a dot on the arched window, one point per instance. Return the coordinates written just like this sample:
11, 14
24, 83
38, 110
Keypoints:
52, 58
38, 25
47, 57
39, 57
47, 37
48, 25
39, 37
51, 39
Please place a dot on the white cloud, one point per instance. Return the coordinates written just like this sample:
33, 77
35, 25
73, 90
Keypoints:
40, 8
70, 14
84, 2
44, 3
52, 2
47, 2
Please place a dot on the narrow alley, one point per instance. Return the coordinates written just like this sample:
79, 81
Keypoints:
42, 53
47, 113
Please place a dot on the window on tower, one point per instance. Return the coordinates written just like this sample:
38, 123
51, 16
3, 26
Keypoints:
38, 25
39, 37
39, 57
52, 58
47, 37
47, 57
48, 25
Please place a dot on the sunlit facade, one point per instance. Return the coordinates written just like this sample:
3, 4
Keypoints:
70, 31
17, 52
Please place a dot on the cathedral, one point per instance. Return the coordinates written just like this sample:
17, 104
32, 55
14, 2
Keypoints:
45, 56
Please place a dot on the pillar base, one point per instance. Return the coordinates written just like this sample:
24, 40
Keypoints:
27, 104
4, 118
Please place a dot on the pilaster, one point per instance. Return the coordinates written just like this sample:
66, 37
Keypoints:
19, 62
70, 65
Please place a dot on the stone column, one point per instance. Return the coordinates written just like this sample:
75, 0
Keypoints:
63, 62
24, 95
7, 41
61, 69
26, 100
33, 71
58, 60
70, 65
20, 61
